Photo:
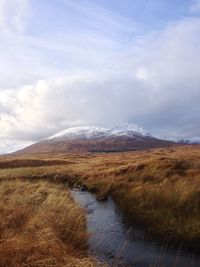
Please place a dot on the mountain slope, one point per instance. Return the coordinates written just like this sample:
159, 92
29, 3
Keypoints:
96, 139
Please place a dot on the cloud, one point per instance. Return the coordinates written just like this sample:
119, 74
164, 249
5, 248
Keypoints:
49, 81
9, 146
35, 111
13, 14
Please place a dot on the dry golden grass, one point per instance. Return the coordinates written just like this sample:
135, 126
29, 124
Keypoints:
41, 226
158, 188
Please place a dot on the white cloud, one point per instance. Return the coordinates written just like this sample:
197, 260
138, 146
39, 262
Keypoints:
9, 146
152, 79
13, 14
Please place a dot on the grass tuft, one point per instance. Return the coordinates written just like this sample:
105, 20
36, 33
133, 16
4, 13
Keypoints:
40, 225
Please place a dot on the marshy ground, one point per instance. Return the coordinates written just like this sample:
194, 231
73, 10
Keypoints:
40, 224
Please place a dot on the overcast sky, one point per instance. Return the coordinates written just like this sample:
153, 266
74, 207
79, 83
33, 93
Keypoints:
67, 63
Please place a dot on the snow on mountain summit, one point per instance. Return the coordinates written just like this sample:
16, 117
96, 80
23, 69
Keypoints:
89, 139
91, 132
81, 132
130, 129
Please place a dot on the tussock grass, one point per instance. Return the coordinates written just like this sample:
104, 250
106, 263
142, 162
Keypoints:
40, 225
158, 188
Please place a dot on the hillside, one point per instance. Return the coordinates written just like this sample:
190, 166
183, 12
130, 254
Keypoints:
95, 139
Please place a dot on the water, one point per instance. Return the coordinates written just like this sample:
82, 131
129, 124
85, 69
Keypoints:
113, 240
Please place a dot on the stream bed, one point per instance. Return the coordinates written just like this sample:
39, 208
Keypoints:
112, 238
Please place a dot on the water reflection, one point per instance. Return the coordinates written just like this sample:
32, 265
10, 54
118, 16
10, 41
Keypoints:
114, 241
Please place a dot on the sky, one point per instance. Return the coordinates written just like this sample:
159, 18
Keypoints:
66, 63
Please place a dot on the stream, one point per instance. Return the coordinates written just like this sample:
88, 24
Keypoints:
113, 240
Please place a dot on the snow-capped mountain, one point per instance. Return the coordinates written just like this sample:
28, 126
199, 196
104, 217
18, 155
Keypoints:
130, 130
96, 139
91, 132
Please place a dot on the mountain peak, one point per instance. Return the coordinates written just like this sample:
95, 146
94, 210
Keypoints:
131, 128
93, 132
84, 139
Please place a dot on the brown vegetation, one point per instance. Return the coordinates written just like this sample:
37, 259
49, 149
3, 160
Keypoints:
158, 188
112, 144
40, 226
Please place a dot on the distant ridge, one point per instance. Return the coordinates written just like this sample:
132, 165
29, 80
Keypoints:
189, 141
97, 139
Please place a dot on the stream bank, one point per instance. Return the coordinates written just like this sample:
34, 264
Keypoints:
115, 240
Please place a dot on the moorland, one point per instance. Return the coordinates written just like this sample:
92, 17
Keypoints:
40, 223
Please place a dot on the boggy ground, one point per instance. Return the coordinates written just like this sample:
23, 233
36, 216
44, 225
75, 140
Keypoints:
159, 188
41, 226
